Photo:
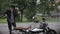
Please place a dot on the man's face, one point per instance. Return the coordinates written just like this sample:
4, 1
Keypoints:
11, 9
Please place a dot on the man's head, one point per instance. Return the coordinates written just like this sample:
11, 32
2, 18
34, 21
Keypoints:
12, 7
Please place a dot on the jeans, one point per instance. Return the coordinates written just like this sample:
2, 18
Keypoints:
10, 26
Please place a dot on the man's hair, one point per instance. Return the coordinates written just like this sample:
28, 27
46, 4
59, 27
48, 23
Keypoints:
12, 6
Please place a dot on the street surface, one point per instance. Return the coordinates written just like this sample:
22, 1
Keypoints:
4, 27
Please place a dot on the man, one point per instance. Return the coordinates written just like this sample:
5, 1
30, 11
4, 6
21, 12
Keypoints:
11, 14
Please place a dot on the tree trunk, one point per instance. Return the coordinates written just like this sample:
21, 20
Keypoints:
21, 15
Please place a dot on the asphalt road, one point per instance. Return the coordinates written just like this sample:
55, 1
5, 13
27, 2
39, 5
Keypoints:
4, 27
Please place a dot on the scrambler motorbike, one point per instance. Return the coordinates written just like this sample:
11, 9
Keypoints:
46, 29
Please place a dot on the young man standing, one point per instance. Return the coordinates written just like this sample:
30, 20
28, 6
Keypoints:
11, 14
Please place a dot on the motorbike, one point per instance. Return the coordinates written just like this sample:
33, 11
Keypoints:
45, 29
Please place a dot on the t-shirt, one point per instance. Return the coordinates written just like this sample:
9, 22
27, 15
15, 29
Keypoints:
12, 17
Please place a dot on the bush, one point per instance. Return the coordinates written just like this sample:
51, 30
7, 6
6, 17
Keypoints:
2, 17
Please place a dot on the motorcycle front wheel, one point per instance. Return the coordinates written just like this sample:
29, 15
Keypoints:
51, 32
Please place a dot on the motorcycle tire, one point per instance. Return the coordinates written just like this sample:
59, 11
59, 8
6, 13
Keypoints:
51, 32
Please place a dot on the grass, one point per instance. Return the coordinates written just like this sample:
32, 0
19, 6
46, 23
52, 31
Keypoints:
49, 19
53, 20
37, 18
3, 20
24, 19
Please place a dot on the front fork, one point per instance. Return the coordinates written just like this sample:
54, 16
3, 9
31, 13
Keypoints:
45, 30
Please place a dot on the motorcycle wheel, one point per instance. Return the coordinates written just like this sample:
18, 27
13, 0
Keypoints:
51, 32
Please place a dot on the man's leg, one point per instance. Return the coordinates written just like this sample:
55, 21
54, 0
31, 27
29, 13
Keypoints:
10, 27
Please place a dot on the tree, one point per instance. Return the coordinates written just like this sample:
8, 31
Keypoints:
21, 5
30, 10
28, 5
46, 5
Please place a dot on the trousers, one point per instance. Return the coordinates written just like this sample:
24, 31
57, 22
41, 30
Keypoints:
10, 26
